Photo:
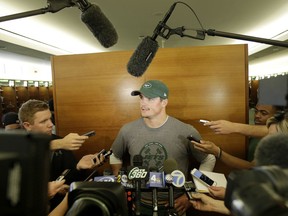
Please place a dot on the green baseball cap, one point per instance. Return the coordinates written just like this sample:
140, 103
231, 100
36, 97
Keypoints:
152, 89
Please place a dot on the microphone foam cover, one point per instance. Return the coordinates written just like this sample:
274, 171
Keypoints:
100, 26
170, 165
142, 57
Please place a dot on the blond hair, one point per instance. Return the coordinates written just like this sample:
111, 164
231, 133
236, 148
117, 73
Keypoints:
29, 108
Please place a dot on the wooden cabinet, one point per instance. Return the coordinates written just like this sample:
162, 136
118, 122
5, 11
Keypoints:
22, 95
11, 98
44, 94
9, 103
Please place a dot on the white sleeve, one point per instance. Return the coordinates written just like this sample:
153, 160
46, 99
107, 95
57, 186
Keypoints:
208, 163
114, 160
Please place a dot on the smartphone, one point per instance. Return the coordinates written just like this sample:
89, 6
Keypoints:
63, 174
108, 153
89, 134
105, 153
193, 138
189, 187
203, 121
203, 178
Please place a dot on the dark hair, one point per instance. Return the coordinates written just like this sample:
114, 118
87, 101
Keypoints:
272, 150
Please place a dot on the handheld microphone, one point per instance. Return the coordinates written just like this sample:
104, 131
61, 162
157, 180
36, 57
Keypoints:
155, 180
169, 166
178, 178
137, 173
98, 23
147, 49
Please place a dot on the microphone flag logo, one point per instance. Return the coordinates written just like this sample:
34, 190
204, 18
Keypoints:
137, 173
178, 178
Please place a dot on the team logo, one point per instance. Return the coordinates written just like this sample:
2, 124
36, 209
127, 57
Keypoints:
147, 85
153, 154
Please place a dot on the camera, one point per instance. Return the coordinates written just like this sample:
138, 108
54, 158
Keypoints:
97, 198
260, 191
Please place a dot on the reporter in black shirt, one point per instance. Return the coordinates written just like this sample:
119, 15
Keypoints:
35, 116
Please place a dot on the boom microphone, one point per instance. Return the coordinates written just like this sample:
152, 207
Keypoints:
99, 25
147, 49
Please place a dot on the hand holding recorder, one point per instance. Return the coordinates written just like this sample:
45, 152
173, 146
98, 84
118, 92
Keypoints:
92, 160
193, 138
207, 147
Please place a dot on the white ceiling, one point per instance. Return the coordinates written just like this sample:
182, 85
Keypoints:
64, 33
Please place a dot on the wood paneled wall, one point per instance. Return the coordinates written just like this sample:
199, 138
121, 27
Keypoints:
92, 92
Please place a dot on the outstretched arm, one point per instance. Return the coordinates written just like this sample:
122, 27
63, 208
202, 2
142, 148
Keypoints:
230, 160
227, 127
202, 202
72, 142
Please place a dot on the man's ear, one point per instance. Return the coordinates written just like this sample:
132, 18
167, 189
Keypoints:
165, 102
26, 126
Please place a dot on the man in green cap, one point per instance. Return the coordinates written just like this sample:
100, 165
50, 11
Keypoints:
156, 137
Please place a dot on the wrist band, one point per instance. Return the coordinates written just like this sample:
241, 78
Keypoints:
219, 153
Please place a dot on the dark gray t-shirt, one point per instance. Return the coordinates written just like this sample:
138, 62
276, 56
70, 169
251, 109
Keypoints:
156, 145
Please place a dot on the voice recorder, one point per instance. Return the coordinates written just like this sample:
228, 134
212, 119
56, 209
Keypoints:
203, 178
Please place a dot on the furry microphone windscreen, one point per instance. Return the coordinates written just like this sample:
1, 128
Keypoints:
100, 26
170, 165
142, 57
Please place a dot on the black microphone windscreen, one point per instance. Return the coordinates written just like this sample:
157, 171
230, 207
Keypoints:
142, 57
170, 165
137, 160
100, 26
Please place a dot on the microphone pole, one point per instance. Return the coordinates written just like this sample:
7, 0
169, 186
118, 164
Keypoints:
169, 181
53, 6
155, 180
155, 202
169, 166
213, 32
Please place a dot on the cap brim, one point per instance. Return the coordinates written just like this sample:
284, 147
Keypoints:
135, 93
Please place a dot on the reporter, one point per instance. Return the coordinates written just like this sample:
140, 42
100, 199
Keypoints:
275, 124
35, 116
62, 207
272, 150
259, 129
10, 121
